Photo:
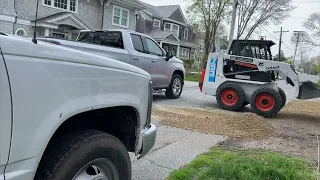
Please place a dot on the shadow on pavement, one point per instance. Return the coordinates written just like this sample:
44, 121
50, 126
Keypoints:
159, 97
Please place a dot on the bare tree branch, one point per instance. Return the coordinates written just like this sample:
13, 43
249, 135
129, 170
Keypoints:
253, 13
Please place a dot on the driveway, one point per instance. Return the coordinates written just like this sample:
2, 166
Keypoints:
176, 147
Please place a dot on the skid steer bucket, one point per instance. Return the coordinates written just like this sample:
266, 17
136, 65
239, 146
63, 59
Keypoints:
309, 90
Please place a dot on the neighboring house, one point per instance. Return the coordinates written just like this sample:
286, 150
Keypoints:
168, 26
64, 18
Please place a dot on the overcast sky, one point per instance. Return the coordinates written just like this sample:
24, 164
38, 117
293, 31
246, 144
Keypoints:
294, 23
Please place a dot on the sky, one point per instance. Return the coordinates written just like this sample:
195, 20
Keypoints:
303, 9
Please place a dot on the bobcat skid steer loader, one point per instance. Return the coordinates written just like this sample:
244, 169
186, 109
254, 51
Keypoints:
247, 75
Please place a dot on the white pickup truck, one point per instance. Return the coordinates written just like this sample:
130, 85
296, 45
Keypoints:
70, 115
167, 72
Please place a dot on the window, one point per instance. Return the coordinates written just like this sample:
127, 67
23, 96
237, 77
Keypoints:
175, 29
20, 32
186, 34
153, 47
111, 38
166, 49
156, 23
120, 17
68, 5
167, 27
137, 43
184, 53
172, 27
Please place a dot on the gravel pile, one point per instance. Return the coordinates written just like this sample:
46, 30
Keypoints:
237, 125
304, 110
240, 125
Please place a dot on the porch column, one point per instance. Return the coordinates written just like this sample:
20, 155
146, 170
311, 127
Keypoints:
46, 31
161, 44
178, 51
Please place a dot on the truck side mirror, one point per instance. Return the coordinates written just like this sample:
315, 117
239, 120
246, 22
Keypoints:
169, 55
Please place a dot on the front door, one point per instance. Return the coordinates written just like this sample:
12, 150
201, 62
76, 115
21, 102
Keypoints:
159, 67
5, 117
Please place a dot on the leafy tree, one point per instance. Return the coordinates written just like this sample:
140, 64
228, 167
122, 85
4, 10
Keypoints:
209, 15
312, 24
253, 13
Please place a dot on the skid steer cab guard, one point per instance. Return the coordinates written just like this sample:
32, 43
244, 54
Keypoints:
237, 81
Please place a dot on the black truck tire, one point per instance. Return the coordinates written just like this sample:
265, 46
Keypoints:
283, 97
89, 152
266, 102
175, 88
230, 96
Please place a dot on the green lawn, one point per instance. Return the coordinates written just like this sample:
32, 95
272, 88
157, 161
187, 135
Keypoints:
319, 82
192, 77
226, 164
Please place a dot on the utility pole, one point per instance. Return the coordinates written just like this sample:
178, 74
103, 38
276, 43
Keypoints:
297, 43
233, 22
280, 41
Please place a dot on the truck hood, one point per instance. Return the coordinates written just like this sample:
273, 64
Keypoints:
176, 60
44, 50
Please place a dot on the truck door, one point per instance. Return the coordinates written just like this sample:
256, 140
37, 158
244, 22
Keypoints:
5, 116
159, 67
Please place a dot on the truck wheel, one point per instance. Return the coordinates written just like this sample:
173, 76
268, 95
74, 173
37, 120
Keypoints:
266, 102
175, 88
86, 155
230, 97
283, 97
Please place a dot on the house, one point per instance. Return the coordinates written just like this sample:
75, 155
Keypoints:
65, 18
169, 27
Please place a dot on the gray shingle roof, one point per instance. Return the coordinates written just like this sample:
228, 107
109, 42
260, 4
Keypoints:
166, 11
159, 34
160, 11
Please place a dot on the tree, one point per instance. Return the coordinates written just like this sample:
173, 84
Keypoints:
253, 13
209, 15
313, 25
282, 58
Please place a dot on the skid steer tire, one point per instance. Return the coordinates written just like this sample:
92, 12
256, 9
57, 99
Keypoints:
266, 102
230, 97
283, 97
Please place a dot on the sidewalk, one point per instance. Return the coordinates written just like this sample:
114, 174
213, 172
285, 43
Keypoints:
174, 148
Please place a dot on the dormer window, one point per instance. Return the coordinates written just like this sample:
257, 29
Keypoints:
156, 23
172, 27
186, 34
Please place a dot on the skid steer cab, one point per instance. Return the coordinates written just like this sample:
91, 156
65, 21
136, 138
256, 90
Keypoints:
247, 75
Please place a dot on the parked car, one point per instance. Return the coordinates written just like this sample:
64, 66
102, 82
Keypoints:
70, 115
167, 72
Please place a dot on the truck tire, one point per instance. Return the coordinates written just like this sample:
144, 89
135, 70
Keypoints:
87, 154
175, 88
266, 102
230, 97
283, 97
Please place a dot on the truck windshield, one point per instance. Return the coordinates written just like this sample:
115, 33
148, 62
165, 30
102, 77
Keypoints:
111, 39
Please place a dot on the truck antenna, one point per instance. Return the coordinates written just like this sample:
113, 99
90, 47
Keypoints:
34, 40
